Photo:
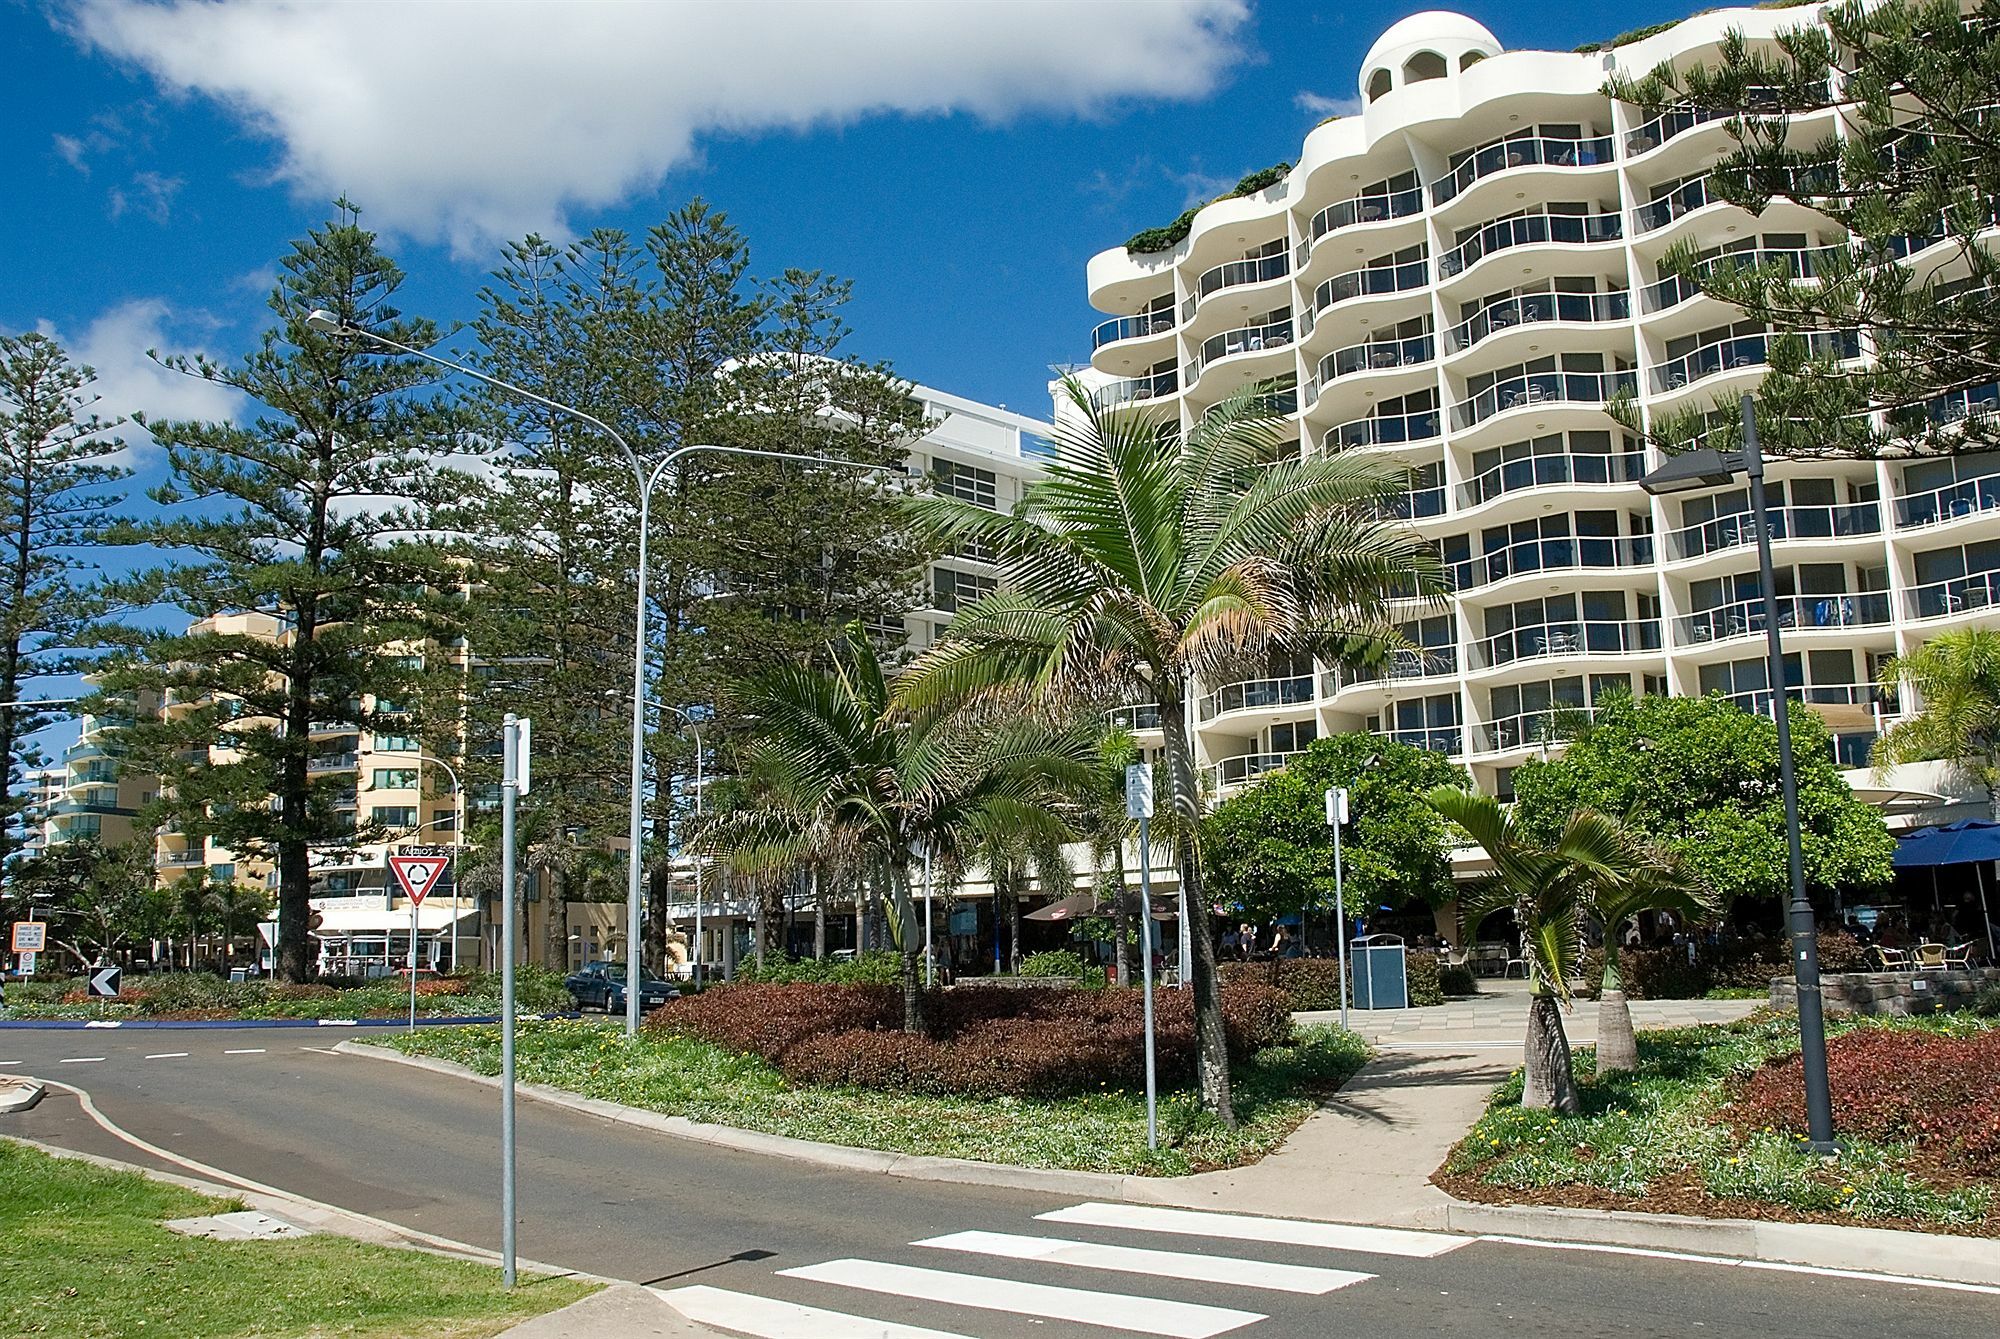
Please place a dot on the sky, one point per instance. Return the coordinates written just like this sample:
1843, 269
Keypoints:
958, 161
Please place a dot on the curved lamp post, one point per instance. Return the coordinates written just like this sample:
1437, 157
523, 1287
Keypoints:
327, 323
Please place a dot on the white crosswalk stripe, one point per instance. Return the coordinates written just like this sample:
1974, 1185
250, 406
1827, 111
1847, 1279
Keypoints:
1117, 1311
766, 1318
1245, 1227
1160, 1264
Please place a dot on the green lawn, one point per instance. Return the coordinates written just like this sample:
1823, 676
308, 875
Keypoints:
1654, 1140
1099, 1132
83, 1255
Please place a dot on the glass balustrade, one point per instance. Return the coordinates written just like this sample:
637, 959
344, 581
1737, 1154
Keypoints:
1568, 637
1674, 121
1540, 471
1235, 274
1967, 497
1798, 262
1248, 767
1133, 389
1740, 528
1258, 694
1131, 327
1446, 739
1544, 555
1369, 282
1135, 716
1534, 309
1814, 695
1683, 199
1532, 729
1739, 619
1377, 355
1384, 430
1540, 388
1523, 152
1954, 595
1412, 505
1529, 230
1248, 339
1959, 406
1365, 209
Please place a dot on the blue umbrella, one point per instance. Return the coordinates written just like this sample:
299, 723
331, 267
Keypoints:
1969, 841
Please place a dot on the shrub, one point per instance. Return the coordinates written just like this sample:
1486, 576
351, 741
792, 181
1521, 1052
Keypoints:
1986, 1004
1425, 988
1159, 239
882, 968
1060, 962
1457, 980
1893, 1085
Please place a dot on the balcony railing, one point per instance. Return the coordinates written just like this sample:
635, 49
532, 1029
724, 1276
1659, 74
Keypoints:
1377, 355
1248, 767
1742, 351
1131, 327
1545, 555
1967, 497
1740, 528
1446, 739
1248, 339
1815, 695
1529, 230
179, 859
1954, 595
1534, 309
1857, 609
1235, 274
1683, 199
1407, 662
1510, 476
1959, 406
1540, 388
1133, 389
1799, 262
1669, 123
1364, 209
1410, 505
1371, 281
1531, 729
1257, 694
1384, 430
1523, 152
338, 762
1572, 637
1135, 716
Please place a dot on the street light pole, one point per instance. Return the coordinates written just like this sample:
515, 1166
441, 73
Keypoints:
327, 323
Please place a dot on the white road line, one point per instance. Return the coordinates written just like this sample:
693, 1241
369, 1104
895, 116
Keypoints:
1822, 1271
81, 1060
764, 1318
169, 1055
1117, 1311
1161, 1264
254, 1050
1245, 1227
323, 1050
12, 1062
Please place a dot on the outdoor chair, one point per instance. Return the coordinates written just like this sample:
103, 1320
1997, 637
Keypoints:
1512, 963
1930, 957
1958, 957
1892, 959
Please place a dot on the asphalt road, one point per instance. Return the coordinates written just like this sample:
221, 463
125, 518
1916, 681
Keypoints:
419, 1149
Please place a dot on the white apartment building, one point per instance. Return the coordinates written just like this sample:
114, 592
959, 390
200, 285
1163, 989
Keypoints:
1455, 280
41, 791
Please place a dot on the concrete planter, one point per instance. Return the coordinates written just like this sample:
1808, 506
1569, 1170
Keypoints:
1890, 993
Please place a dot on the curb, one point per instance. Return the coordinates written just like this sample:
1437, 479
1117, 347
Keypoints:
19, 1094
165, 1024
1874, 1252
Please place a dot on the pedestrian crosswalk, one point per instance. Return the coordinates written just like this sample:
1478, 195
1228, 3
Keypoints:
971, 1275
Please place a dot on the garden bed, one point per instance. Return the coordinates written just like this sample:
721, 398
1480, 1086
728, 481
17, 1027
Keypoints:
1002, 1081
1710, 1126
201, 997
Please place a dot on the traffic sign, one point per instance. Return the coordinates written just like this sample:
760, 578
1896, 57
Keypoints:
31, 936
418, 873
1139, 790
104, 981
28, 964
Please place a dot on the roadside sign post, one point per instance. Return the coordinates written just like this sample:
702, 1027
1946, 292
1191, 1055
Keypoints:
513, 784
104, 981
418, 870
30, 938
1139, 805
1336, 815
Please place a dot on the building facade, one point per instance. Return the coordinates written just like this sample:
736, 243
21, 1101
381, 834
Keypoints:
1456, 280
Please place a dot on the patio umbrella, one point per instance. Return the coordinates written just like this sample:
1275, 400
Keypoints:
1971, 841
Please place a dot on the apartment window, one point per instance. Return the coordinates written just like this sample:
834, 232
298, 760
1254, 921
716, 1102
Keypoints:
968, 482
222, 873
396, 744
394, 815
395, 778
954, 589
1291, 736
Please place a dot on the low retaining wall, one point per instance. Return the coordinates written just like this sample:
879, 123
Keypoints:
1899, 993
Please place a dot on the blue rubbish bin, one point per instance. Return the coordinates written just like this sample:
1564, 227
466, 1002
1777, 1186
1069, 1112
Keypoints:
1380, 971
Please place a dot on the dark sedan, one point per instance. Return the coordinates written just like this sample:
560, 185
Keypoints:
601, 985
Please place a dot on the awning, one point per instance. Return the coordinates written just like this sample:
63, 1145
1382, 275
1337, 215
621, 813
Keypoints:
1970, 841
373, 919
1891, 800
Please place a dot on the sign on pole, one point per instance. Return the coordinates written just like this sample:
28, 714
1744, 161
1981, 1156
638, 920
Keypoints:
104, 982
28, 964
31, 936
1139, 790
418, 873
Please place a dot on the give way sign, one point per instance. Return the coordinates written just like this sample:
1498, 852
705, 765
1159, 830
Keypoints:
418, 873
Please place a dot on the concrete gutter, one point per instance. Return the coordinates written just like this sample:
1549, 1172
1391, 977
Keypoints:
1872, 1251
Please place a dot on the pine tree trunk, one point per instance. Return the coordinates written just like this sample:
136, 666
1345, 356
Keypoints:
1211, 1039
1550, 1082
1013, 927
1617, 1047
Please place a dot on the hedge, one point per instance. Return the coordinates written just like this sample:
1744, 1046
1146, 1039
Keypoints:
1314, 983
1159, 239
1669, 973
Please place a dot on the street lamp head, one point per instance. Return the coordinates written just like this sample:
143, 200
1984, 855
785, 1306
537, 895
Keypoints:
1702, 468
326, 323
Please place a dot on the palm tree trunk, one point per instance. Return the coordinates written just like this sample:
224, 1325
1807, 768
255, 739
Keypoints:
1617, 1046
911, 943
1550, 1082
1121, 907
1211, 1040
1013, 924
819, 918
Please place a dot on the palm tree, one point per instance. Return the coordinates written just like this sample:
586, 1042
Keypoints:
1651, 877
1105, 827
236, 908
834, 754
1014, 854
1147, 560
1550, 888
1957, 678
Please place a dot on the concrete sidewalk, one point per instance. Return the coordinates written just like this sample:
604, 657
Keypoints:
622, 1311
1499, 1014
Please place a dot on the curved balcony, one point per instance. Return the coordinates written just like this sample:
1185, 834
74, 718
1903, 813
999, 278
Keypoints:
1944, 410
1967, 497
1377, 356
1133, 390
1248, 767
1738, 529
1258, 695
1683, 199
1665, 126
1406, 662
1246, 339
1135, 716
1410, 505
1799, 262
1364, 209
1371, 282
1446, 739
1741, 352
1570, 637
1130, 327
1384, 430
1511, 476
1236, 274
1954, 595
1564, 553
1540, 388
1523, 152
1529, 230
1537, 309
1531, 729
1854, 610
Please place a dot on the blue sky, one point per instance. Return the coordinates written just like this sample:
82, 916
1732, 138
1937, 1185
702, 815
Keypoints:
958, 162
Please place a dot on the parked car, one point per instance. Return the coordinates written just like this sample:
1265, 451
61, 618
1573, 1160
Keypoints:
601, 985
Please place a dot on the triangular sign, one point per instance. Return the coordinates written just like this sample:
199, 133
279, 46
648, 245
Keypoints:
418, 873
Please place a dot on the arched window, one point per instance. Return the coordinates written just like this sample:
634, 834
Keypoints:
1378, 84
1424, 65
1470, 59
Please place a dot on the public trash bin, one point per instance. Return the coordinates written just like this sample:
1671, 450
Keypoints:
1380, 973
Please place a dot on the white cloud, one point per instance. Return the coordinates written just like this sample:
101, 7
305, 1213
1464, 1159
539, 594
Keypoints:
1319, 104
115, 346
473, 121
150, 194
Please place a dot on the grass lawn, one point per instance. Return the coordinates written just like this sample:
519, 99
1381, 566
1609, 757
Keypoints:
82, 1254
1657, 1140
1098, 1132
